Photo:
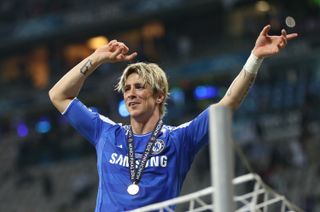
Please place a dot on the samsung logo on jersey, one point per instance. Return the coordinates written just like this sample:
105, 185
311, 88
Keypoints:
154, 161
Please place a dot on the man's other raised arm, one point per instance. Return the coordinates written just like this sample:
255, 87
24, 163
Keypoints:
265, 46
69, 86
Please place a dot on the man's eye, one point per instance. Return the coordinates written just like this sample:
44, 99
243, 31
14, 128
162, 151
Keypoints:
139, 86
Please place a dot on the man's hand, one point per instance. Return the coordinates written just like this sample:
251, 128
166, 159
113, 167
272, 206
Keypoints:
267, 45
112, 52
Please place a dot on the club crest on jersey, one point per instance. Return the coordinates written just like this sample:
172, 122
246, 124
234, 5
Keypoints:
158, 147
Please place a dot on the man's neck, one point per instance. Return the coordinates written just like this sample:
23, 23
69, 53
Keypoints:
144, 126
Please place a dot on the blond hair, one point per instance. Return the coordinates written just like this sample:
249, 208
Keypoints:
152, 75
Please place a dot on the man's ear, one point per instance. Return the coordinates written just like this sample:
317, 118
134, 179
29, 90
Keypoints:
160, 98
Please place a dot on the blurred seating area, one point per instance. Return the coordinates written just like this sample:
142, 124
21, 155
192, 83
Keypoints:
60, 186
47, 166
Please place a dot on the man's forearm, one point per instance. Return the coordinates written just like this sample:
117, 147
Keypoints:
239, 88
71, 83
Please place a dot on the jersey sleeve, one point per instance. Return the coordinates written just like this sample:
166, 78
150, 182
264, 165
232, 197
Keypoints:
85, 121
194, 134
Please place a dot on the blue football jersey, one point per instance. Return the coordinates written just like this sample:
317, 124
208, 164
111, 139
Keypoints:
166, 168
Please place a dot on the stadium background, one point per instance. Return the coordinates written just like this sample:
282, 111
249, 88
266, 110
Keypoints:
202, 44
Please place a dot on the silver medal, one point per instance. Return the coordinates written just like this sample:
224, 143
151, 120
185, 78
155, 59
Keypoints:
133, 189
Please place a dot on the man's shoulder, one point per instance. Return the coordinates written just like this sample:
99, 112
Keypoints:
169, 129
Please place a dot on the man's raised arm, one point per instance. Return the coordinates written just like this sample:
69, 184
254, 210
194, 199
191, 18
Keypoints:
69, 86
265, 46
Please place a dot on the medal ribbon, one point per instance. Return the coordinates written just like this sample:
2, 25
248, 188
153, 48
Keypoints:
135, 174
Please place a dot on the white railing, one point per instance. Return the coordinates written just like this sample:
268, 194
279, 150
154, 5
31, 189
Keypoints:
247, 193
261, 199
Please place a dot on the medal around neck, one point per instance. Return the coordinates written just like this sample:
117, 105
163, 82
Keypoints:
133, 189
135, 174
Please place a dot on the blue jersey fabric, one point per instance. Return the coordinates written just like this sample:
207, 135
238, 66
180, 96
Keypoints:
165, 170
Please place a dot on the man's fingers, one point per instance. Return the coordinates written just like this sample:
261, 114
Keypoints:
283, 40
284, 33
112, 41
122, 44
125, 49
131, 56
291, 36
114, 46
123, 57
284, 36
265, 30
116, 53
120, 57
281, 45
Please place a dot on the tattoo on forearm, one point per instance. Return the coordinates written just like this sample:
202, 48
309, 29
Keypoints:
229, 92
85, 68
246, 89
244, 73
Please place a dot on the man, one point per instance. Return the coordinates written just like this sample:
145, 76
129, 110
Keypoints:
146, 162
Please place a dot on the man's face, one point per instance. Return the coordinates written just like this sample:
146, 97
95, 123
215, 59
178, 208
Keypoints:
139, 98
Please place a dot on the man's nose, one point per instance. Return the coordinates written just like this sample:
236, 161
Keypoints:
131, 93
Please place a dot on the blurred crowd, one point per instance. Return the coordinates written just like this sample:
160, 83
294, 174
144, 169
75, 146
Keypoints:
47, 166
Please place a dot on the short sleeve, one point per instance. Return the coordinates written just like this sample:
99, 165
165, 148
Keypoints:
194, 134
85, 121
